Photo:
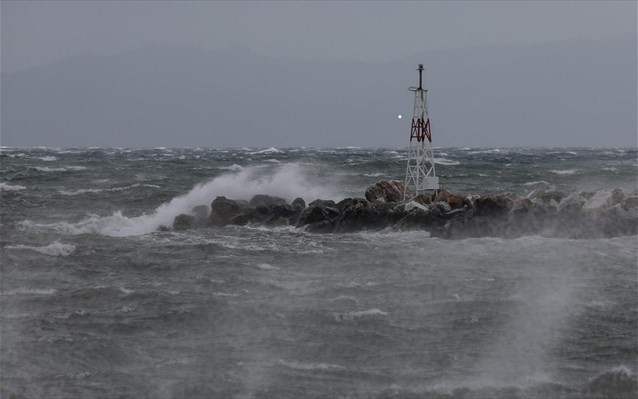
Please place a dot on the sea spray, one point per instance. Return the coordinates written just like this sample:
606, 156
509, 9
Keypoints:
288, 181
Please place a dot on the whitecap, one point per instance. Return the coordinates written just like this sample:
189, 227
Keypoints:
266, 266
310, 366
48, 158
271, 150
30, 291
99, 190
564, 172
369, 313
534, 183
8, 187
55, 249
47, 169
378, 174
445, 161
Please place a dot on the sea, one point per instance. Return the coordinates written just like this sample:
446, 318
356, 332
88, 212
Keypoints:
98, 300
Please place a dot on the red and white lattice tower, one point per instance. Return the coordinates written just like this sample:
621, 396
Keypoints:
420, 175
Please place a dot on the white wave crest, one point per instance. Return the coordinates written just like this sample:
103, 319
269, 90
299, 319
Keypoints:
564, 172
445, 161
234, 167
8, 187
287, 182
369, 313
266, 266
534, 183
30, 291
310, 366
271, 150
99, 190
55, 249
47, 169
48, 158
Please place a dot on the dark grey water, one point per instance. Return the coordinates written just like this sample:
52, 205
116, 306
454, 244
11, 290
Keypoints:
96, 302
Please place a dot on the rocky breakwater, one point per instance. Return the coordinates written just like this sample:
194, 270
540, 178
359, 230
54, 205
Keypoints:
606, 213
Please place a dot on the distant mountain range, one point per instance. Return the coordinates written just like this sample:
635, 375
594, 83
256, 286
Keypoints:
571, 93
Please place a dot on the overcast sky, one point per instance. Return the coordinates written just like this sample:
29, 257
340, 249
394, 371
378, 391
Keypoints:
38, 32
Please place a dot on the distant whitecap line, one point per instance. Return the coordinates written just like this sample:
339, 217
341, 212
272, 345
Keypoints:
30, 291
271, 150
60, 169
564, 172
445, 161
310, 366
100, 190
266, 266
55, 249
369, 313
534, 183
9, 187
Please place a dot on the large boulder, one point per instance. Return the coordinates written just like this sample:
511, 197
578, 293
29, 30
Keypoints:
492, 206
571, 205
387, 191
455, 201
184, 222
266, 200
224, 209
545, 197
299, 204
356, 214
314, 214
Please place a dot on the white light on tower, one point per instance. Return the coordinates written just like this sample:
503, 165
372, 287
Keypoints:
420, 175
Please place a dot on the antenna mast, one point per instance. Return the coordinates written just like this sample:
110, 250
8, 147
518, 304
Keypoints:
420, 175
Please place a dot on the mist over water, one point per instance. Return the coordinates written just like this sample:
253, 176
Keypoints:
99, 301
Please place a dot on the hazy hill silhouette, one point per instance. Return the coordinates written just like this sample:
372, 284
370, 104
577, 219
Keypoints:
572, 93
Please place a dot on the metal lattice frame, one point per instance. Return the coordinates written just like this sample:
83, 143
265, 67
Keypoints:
420, 174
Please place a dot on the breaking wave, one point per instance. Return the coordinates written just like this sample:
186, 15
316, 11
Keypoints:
287, 182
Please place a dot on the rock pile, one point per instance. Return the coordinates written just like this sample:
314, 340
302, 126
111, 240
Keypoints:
443, 214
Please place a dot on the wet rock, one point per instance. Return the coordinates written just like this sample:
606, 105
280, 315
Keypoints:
277, 221
422, 199
284, 210
299, 204
492, 206
571, 205
545, 197
223, 210
184, 222
357, 214
617, 196
239, 220
455, 201
322, 203
266, 200
630, 203
201, 212
314, 214
387, 191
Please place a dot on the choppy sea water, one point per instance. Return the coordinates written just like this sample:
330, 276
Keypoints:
96, 301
